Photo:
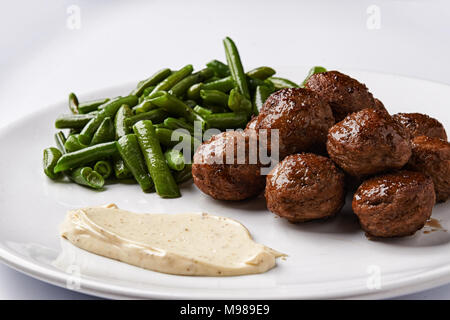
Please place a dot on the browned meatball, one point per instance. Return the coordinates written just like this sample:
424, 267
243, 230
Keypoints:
394, 205
419, 124
344, 94
368, 142
225, 169
251, 124
305, 187
301, 118
379, 105
431, 156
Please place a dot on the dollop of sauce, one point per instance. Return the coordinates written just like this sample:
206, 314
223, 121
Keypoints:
181, 244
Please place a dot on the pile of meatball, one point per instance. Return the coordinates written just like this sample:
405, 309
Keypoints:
334, 137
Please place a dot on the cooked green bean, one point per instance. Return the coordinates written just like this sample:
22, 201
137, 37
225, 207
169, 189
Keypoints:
51, 157
193, 92
221, 70
260, 96
60, 139
214, 97
87, 177
73, 144
174, 124
239, 103
104, 168
145, 94
224, 84
202, 111
84, 156
173, 105
104, 133
154, 80
109, 110
261, 73
128, 147
227, 120
121, 170
183, 175
174, 159
235, 65
156, 116
91, 106
73, 103
313, 70
144, 106
281, 83
190, 103
180, 89
165, 184
120, 124
173, 79
73, 121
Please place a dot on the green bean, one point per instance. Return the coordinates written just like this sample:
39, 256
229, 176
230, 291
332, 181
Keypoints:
73, 121
261, 95
91, 106
224, 84
51, 157
227, 120
121, 170
180, 89
104, 168
84, 156
183, 175
104, 133
87, 177
174, 124
120, 124
73, 103
235, 65
145, 94
174, 159
313, 70
239, 103
154, 80
165, 184
193, 92
281, 83
202, 111
167, 138
174, 78
261, 73
214, 97
156, 116
190, 103
144, 106
212, 79
60, 139
73, 144
128, 147
221, 70
109, 110
173, 105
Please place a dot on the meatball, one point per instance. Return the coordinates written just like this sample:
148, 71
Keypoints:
368, 142
226, 167
251, 124
394, 205
305, 187
419, 124
344, 94
379, 105
431, 156
301, 118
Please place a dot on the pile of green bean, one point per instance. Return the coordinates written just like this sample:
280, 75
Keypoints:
130, 137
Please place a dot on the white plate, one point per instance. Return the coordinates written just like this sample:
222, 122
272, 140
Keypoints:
328, 259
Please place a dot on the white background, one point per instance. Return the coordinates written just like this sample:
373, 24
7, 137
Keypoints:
42, 59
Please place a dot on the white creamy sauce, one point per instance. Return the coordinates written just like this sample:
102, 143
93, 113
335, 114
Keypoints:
182, 244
